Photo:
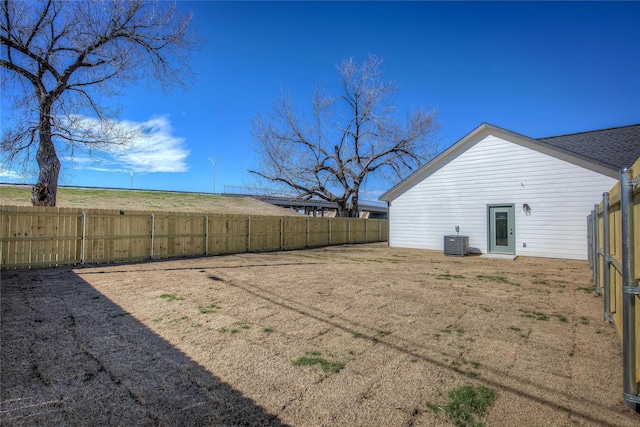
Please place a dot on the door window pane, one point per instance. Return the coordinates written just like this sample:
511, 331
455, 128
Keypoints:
501, 225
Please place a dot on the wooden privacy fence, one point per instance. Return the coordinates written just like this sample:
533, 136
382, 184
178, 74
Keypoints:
39, 236
614, 256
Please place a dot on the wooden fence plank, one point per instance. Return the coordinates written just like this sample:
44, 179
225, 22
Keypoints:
318, 232
7, 247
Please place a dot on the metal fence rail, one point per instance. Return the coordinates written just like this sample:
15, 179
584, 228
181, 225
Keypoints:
38, 236
614, 257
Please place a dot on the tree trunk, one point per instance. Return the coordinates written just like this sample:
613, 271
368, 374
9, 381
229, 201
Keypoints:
342, 209
353, 209
45, 191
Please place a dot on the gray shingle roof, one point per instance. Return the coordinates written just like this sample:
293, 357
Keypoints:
615, 148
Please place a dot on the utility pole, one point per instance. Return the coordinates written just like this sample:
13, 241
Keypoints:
214, 162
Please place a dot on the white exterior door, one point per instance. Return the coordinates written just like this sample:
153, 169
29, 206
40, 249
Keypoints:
502, 237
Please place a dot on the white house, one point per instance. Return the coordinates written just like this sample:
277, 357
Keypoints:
511, 194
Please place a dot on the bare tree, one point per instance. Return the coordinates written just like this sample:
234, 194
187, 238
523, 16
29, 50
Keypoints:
60, 58
329, 154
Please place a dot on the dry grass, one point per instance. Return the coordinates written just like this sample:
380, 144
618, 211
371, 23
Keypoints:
146, 201
352, 335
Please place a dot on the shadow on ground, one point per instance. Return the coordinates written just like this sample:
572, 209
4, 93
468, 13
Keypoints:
71, 356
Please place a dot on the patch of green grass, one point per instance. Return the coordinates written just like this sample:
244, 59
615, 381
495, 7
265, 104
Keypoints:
380, 334
540, 282
514, 328
535, 315
171, 297
562, 318
313, 358
460, 331
243, 325
213, 308
235, 331
449, 276
498, 279
584, 320
435, 408
178, 319
588, 290
357, 335
445, 331
267, 330
223, 330
485, 308
458, 364
468, 405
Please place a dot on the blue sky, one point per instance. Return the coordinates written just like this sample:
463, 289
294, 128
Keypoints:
537, 68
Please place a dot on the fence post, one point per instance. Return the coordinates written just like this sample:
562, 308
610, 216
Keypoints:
629, 291
248, 234
349, 229
594, 245
153, 227
307, 227
590, 241
206, 234
84, 237
329, 231
596, 248
281, 233
606, 263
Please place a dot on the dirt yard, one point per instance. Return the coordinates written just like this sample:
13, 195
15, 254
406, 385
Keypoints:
342, 336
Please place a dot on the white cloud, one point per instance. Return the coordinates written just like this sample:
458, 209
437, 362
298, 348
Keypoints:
153, 148
12, 175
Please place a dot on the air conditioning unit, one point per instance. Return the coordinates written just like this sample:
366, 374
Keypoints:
456, 245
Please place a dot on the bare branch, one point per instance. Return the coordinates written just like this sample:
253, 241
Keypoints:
329, 157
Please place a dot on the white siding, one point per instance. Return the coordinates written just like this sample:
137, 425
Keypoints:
495, 171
